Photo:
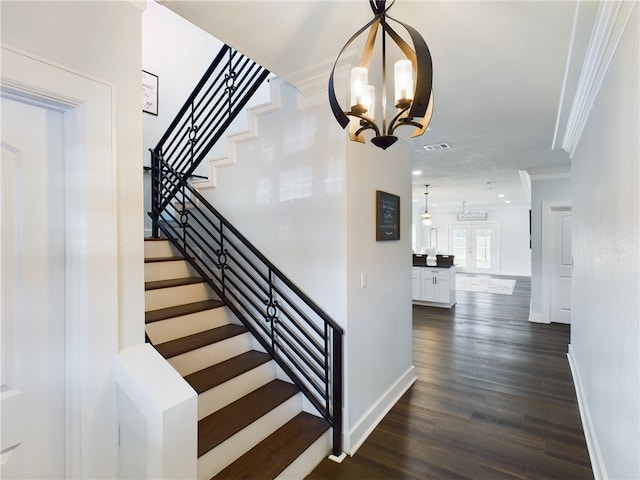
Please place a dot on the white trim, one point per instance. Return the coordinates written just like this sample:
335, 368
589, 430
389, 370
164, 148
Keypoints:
595, 454
353, 439
550, 173
91, 228
537, 318
610, 23
566, 76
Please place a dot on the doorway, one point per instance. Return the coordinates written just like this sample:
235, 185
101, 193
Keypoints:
59, 271
557, 262
476, 247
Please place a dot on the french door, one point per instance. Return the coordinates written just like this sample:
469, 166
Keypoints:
475, 246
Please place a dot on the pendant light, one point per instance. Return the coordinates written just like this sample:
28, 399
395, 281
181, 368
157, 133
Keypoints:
426, 216
413, 99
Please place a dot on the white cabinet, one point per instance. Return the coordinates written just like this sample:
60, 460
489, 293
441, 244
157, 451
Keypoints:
434, 286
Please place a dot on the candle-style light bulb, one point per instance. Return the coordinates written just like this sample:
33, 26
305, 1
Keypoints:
359, 82
370, 101
403, 73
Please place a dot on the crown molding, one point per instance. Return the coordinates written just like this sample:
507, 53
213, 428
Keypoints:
551, 173
610, 22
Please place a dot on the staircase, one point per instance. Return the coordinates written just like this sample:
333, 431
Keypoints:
253, 422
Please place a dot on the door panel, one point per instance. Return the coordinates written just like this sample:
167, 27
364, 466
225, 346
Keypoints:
33, 292
562, 264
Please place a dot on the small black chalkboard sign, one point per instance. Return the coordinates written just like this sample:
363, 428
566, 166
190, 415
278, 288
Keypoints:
387, 216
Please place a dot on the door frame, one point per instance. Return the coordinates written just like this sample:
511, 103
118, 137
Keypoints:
548, 209
91, 255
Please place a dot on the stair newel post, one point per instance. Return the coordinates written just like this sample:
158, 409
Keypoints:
336, 379
155, 193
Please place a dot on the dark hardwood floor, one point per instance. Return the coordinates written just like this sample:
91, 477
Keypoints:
494, 399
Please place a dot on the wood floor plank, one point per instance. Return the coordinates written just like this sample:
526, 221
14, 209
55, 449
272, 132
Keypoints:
494, 399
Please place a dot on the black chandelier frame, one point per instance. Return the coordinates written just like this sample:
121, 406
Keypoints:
415, 113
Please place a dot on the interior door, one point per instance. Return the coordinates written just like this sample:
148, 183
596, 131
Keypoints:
475, 247
560, 300
32, 285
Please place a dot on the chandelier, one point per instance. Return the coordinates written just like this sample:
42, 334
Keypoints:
413, 100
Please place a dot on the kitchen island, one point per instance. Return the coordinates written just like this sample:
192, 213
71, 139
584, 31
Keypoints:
433, 285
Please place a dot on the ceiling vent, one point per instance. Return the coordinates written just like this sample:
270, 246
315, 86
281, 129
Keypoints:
437, 146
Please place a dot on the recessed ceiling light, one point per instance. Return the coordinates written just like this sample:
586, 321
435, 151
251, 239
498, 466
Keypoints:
434, 205
416, 172
501, 195
507, 201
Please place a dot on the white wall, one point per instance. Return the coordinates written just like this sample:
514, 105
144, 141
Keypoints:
100, 40
605, 330
306, 199
177, 52
379, 316
513, 227
556, 190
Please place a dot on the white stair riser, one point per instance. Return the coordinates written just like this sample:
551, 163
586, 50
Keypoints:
177, 327
172, 296
211, 354
224, 454
159, 249
309, 459
222, 395
167, 270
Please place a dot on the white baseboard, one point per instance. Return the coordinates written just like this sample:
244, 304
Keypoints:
537, 318
353, 439
595, 454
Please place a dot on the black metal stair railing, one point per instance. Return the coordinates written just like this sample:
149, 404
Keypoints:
221, 94
304, 340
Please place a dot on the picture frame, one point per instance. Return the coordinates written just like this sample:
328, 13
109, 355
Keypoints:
149, 93
387, 216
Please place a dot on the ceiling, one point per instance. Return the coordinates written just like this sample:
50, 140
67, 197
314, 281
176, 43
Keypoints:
498, 77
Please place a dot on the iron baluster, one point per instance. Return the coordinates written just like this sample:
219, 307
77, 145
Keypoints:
229, 82
221, 264
271, 311
192, 133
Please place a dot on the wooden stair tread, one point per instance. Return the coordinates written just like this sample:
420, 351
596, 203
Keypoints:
212, 376
162, 259
197, 340
173, 282
180, 310
271, 456
222, 424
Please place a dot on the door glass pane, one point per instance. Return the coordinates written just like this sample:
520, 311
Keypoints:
460, 246
483, 248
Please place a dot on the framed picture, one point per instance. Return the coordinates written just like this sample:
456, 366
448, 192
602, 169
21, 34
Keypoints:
149, 93
387, 216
